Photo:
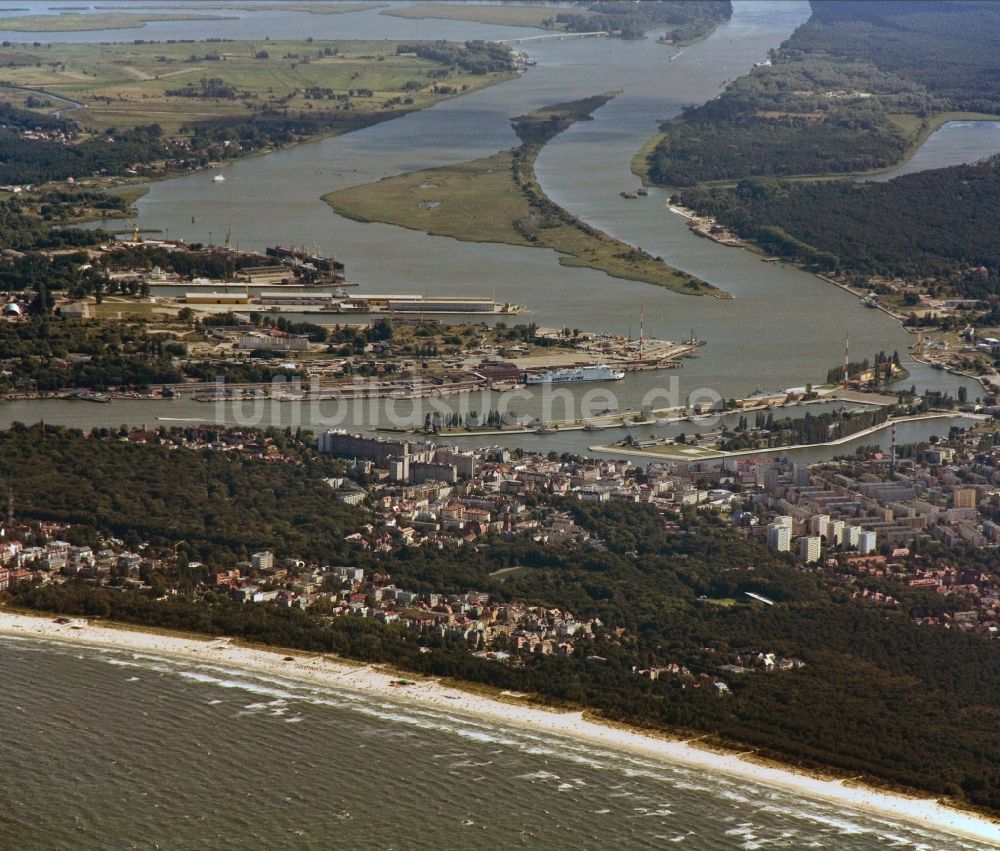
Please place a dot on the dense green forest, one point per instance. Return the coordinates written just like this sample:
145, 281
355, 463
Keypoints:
476, 57
952, 49
791, 431
933, 224
51, 353
847, 92
219, 504
24, 226
682, 21
878, 697
48, 354
219, 265
15, 118
33, 161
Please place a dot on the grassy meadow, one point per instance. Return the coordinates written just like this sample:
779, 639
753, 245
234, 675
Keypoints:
125, 85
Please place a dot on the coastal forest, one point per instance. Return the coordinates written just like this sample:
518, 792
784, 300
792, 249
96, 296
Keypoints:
876, 698
855, 89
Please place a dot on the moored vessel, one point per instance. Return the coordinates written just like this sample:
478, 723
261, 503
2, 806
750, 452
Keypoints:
598, 372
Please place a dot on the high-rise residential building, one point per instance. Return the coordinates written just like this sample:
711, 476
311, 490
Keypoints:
852, 534
779, 538
818, 524
810, 548
262, 560
964, 498
866, 542
835, 533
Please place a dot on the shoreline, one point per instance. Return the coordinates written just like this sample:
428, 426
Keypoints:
578, 725
776, 450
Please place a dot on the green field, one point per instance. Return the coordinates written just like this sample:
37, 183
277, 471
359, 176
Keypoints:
484, 201
73, 22
125, 85
476, 201
511, 15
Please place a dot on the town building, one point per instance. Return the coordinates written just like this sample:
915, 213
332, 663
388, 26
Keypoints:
779, 537
810, 548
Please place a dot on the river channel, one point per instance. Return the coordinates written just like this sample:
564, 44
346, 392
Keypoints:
782, 328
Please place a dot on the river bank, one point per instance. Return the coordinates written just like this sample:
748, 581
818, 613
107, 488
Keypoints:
505, 710
701, 453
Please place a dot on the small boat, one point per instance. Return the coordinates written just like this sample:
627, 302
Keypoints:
218, 179
642, 192
629, 195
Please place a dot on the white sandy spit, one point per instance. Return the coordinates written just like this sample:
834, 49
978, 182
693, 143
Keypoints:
430, 693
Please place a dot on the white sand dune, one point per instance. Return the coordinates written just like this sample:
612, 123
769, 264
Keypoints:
429, 693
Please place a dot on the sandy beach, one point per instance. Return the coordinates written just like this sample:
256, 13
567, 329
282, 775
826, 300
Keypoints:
432, 694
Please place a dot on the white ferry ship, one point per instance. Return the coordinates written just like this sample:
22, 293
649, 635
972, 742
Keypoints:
600, 372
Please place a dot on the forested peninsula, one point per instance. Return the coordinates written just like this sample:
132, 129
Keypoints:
855, 89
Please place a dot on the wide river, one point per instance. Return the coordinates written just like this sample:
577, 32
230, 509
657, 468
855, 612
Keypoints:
783, 327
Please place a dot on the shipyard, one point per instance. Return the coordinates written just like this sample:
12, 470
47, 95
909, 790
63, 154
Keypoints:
339, 302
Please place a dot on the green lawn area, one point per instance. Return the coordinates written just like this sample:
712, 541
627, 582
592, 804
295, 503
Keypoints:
640, 162
116, 307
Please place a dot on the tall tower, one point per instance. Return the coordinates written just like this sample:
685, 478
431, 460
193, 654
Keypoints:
847, 347
892, 454
642, 328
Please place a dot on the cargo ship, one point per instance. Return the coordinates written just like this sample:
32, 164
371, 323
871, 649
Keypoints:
600, 372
